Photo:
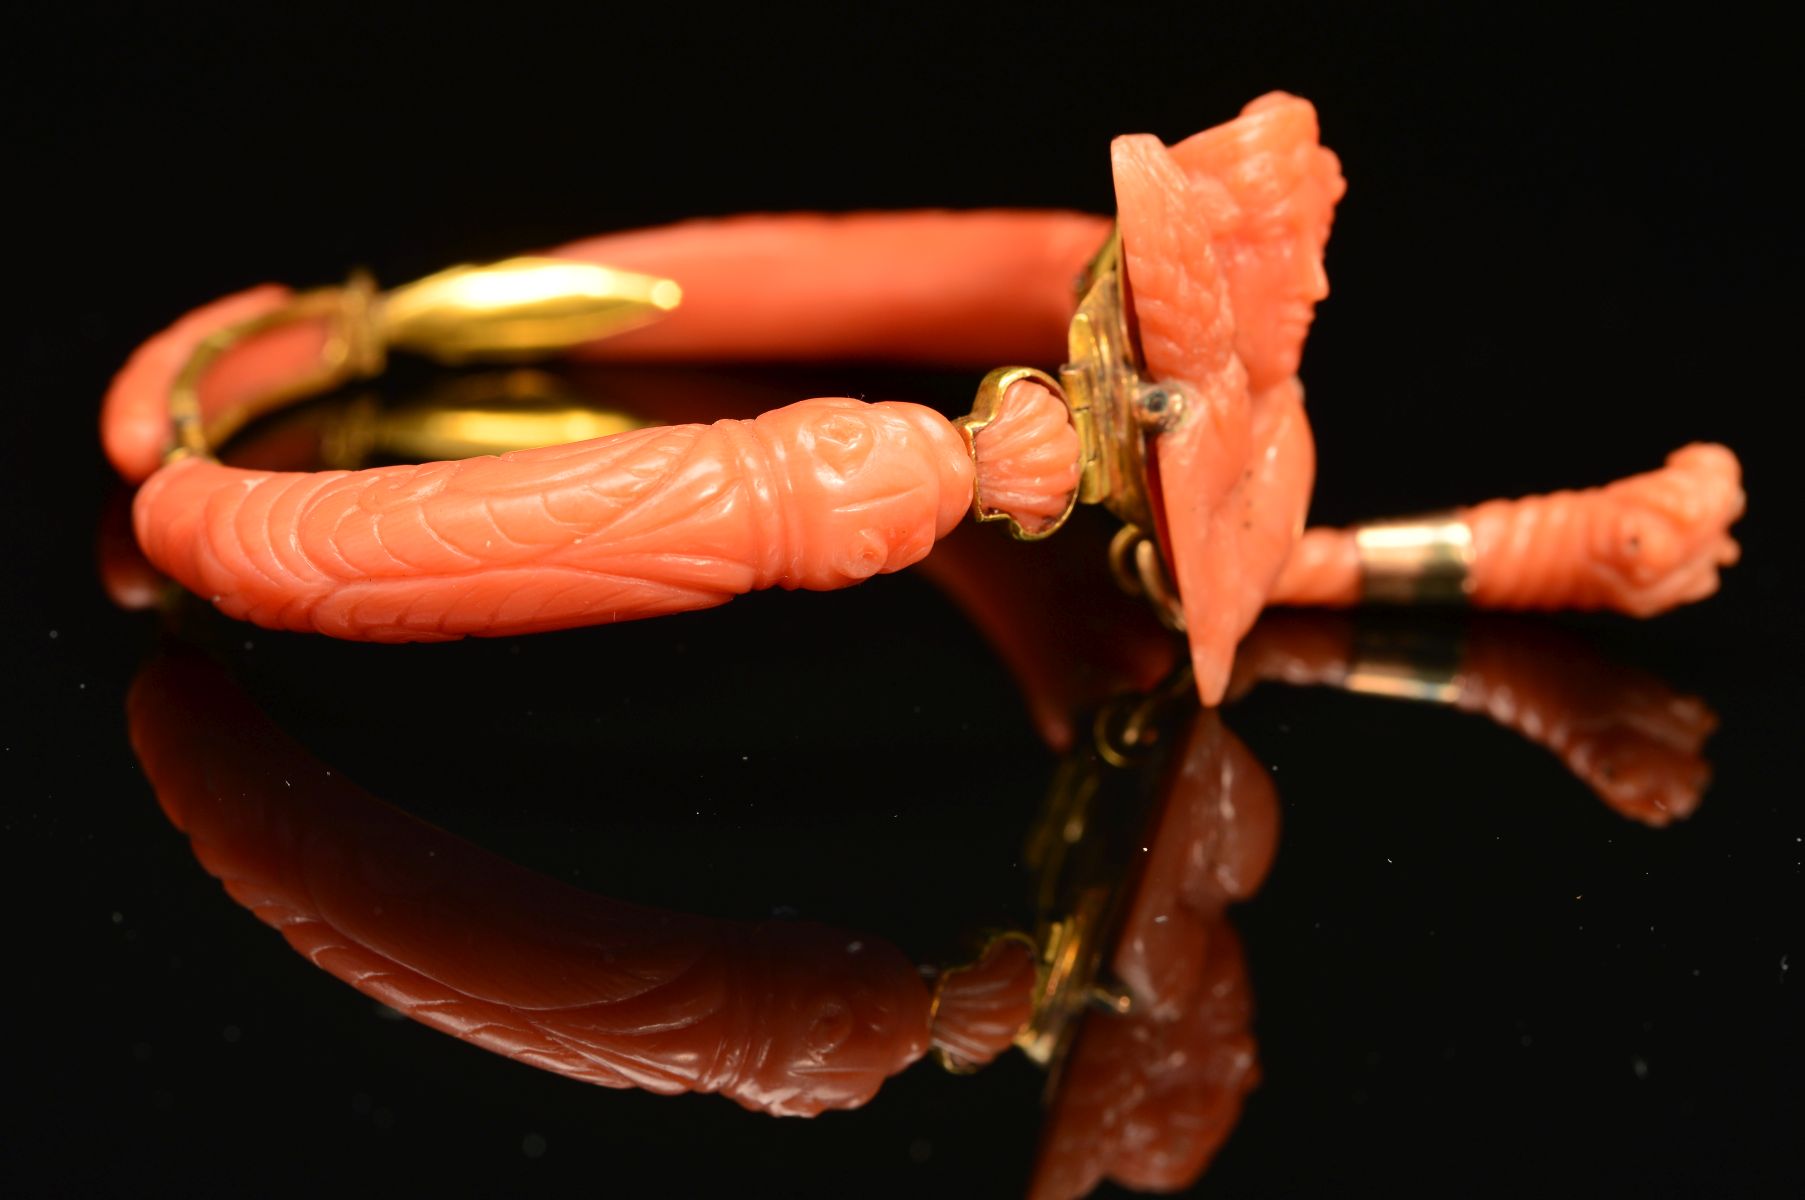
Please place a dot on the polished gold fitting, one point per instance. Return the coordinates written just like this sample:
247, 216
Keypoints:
1140, 570
1105, 390
1417, 560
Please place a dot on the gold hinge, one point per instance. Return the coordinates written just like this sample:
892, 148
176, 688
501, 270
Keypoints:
517, 308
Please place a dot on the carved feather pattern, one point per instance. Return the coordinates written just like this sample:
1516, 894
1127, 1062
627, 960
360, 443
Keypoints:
817, 495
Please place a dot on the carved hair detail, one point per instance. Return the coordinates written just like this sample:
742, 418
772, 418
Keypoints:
1255, 163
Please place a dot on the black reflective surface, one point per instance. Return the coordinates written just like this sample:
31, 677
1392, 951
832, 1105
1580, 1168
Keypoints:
1468, 973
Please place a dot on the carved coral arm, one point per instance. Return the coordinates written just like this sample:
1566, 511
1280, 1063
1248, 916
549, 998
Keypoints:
1322, 571
818, 495
951, 288
135, 429
1639, 546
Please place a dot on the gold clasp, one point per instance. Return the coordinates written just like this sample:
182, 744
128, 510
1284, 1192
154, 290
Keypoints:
1111, 405
514, 309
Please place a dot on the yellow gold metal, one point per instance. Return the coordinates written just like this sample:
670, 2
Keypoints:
347, 352
1106, 395
1409, 664
1128, 728
983, 411
1086, 849
1112, 997
1103, 384
1084, 879
1140, 570
1071, 951
425, 435
1069, 931
1114, 410
1419, 560
1064, 816
1402, 681
518, 307
462, 416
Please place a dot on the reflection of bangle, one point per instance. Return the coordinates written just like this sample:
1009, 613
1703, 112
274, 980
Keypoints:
791, 1017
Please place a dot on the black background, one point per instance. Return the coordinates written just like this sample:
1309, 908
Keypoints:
1567, 248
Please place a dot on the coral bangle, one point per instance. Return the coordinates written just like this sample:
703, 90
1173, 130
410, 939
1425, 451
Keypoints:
1178, 408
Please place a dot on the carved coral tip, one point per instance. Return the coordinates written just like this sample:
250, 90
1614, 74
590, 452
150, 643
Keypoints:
1028, 457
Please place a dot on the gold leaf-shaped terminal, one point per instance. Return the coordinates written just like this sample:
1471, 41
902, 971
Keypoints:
520, 307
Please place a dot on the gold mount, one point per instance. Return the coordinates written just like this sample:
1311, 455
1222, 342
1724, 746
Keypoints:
1110, 403
1104, 390
1415, 560
514, 309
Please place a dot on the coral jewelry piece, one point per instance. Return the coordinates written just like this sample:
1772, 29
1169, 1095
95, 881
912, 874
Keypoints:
1177, 407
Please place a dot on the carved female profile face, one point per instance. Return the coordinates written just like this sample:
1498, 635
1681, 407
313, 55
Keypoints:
1275, 278
1268, 190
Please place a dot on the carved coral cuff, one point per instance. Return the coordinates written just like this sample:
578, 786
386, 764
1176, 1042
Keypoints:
1177, 407
819, 494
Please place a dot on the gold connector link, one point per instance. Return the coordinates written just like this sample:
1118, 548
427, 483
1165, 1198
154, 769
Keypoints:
1417, 560
519, 308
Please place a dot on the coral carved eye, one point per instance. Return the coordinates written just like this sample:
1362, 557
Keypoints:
1647, 544
842, 443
